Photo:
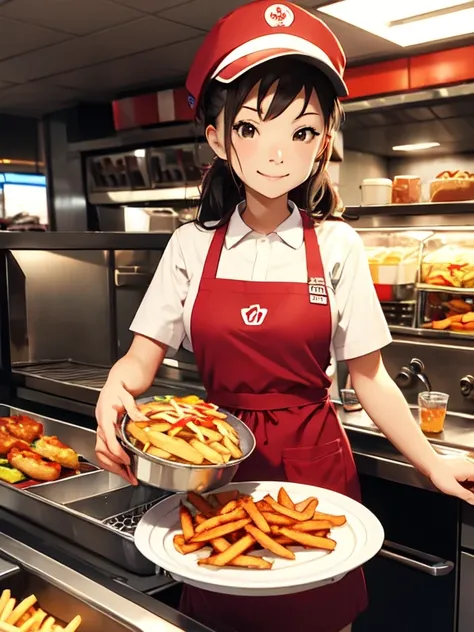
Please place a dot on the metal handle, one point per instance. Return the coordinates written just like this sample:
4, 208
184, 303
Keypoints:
467, 384
132, 279
428, 564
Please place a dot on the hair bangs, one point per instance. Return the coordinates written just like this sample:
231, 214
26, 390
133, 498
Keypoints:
287, 88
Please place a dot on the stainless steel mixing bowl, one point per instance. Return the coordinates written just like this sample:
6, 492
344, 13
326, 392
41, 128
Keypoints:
180, 477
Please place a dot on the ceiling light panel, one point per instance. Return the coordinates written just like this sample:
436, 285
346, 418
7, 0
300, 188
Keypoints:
415, 147
407, 22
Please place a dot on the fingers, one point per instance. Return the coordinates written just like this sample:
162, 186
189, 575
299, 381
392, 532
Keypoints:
456, 489
467, 496
107, 431
130, 406
113, 466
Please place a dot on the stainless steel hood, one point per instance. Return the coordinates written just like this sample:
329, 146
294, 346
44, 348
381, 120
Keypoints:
445, 115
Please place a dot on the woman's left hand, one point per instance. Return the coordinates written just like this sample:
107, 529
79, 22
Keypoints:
450, 472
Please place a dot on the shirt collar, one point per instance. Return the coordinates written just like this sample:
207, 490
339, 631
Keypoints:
290, 231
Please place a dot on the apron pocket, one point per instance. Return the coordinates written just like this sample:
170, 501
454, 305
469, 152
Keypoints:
320, 465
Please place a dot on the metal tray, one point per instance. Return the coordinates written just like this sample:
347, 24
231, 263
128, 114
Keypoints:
64, 593
96, 510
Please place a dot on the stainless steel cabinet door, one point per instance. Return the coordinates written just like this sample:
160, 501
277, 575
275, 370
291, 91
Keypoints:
466, 594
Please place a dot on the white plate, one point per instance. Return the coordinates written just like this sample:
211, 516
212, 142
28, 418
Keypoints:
358, 541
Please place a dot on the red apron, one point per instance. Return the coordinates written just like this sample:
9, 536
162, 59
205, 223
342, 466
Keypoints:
262, 349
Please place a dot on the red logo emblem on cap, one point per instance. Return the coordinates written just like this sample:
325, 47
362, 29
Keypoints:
279, 15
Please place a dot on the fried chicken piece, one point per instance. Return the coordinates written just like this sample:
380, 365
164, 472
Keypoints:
33, 466
51, 448
8, 441
23, 427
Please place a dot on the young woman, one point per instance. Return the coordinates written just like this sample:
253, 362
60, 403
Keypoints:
267, 294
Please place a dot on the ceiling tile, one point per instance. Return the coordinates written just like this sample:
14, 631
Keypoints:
119, 75
117, 42
35, 97
150, 6
201, 13
33, 108
359, 44
70, 16
179, 56
18, 38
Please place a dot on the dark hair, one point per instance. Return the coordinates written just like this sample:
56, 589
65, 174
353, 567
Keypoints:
222, 189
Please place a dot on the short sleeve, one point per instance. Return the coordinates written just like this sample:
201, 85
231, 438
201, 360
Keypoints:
160, 315
362, 327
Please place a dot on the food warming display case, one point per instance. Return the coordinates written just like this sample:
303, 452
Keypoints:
429, 270
422, 264
394, 260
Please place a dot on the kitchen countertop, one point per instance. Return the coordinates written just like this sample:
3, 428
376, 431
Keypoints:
458, 431
374, 455
10, 240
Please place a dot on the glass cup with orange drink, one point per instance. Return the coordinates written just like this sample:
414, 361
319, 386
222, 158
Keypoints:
432, 408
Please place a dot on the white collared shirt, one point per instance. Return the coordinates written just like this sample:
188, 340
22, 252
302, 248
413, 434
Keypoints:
359, 326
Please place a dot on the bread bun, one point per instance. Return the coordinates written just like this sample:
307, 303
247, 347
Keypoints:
452, 186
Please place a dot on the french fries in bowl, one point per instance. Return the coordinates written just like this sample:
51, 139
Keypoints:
186, 444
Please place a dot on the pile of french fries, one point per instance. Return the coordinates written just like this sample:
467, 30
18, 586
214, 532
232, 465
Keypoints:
27, 616
232, 525
185, 430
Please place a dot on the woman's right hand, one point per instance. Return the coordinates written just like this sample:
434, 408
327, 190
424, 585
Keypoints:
114, 401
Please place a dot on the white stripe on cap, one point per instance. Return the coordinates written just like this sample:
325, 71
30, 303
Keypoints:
276, 40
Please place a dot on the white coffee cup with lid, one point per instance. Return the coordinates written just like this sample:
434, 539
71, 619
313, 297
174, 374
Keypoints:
375, 191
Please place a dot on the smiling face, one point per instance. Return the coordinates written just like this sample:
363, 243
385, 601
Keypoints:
272, 152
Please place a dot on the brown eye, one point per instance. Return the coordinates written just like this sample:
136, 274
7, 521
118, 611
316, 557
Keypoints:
245, 130
305, 135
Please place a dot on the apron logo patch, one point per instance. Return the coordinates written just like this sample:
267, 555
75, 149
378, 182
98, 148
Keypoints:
254, 315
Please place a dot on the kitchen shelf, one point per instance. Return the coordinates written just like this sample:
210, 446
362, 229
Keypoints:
10, 240
424, 208
432, 334
446, 289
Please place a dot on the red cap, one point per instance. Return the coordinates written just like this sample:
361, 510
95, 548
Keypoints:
263, 30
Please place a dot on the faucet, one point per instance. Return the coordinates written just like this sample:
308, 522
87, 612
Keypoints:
408, 374
467, 385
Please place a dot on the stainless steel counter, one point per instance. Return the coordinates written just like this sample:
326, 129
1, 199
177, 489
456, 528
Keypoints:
376, 456
458, 432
